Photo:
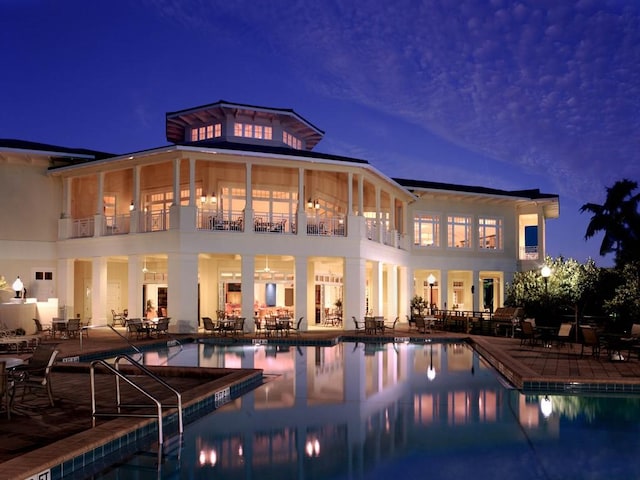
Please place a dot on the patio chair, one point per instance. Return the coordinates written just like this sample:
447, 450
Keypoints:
35, 374
161, 327
564, 335
136, 327
590, 339
359, 325
238, 326
6, 384
421, 324
42, 331
392, 328
528, 333
209, 326
74, 328
297, 327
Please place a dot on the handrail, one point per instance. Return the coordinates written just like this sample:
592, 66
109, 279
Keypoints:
118, 375
153, 376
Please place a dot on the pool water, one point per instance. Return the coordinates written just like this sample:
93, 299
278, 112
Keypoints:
415, 411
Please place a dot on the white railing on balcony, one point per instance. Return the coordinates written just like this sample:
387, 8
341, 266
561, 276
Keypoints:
372, 229
116, 225
82, 227
154, 221
326, 226
529, 253
264, 222
220, 221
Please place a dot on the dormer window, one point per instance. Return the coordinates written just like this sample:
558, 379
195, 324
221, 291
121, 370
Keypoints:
249, 130
206, 132
291, 140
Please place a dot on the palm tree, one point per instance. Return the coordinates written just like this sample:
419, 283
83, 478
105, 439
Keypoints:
619, 219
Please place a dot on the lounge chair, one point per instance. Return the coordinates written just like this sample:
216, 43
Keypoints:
209, 326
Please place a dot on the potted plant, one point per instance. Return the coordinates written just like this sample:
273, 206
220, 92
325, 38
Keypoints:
418, 305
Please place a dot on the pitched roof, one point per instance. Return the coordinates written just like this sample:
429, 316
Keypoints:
412, 184
65, 154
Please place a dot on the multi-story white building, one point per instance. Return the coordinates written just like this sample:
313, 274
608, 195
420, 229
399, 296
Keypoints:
240, 214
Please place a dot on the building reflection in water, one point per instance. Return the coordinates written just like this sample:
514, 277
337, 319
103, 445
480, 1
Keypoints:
337, 410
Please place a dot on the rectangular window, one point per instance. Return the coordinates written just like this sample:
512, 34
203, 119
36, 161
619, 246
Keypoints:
218, 130
237, 129
194, 134
268, 133
490, 233
248, 130
209, 131
258, 131
458, 232
426, 230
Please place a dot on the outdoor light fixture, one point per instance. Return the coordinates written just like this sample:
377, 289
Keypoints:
214, 199
546, 406
309, 203
546, 273
316, 205
131, 206
431, 279
431, 372
18, 286
203, 198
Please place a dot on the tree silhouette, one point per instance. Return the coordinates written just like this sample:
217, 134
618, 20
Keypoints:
619, 219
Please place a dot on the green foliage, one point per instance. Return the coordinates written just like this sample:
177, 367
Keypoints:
625, 302
569, 289
418, 305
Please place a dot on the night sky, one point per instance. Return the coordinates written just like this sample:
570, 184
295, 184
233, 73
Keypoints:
510, 95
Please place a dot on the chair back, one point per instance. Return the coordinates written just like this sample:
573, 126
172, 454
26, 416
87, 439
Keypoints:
565, 330
356, 323
42, 356
589, 336
207, 323
635, 330
163, 325
38, 323
239, 324
299, 323
73, 325
527, 327
134, 325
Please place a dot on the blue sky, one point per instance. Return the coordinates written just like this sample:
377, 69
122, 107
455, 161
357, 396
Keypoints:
511, 95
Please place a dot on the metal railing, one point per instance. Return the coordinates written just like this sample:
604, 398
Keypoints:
120, 376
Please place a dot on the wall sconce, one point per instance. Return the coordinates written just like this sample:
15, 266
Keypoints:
203, 198
131, 206
316, 205
309, 203
18, 286
214, 200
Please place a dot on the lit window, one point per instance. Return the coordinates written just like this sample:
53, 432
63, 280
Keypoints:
194, 135
209, 131
237, 129
248, 130
490, 233
458, 232
218, 130
258, 131
426, 230
268, 133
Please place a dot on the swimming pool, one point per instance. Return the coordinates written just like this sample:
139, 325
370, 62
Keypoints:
373, 411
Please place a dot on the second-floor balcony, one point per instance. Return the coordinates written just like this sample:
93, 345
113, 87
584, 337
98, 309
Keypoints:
233, 222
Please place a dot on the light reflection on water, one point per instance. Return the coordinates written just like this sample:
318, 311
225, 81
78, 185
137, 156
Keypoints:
363, 411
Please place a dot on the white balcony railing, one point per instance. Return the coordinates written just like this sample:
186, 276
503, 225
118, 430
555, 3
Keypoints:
326, 226
116, 225
154, 221
220, 221
529, 253
263, 222
82, 227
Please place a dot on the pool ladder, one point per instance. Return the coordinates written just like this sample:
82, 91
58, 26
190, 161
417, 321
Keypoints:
120, 376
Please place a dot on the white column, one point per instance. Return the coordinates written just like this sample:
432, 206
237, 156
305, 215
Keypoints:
248, 209
443, 284
99, 291
361, 195
304, 308
66, 197
355, 291
176, 181
376, 302
380, 230
192, 181
392, 292
542, 248
135, 214
248, 268
135, 279
183, 292
98, 218
65, 285
301, 221
350, 194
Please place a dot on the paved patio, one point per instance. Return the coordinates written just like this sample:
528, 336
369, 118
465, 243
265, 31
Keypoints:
42, 426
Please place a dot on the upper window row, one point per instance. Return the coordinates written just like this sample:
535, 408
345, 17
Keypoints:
205, 132
291, 140
248, 130
426, 231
